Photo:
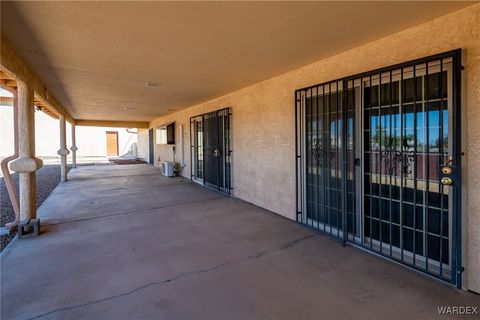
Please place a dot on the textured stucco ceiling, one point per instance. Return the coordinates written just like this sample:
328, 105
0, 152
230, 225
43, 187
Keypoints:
97, 56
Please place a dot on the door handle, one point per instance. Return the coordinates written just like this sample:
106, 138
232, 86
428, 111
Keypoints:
448, 162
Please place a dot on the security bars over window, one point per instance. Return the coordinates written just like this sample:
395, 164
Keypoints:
369, 149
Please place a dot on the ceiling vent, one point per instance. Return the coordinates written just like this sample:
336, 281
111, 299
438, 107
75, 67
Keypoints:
153, 84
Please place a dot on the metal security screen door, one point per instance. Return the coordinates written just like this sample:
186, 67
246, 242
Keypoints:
323, 160
150, 147
211, 149
378, 162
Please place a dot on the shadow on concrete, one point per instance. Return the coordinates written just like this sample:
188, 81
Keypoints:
48, 177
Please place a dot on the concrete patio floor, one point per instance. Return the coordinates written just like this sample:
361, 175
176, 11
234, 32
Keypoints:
123, 242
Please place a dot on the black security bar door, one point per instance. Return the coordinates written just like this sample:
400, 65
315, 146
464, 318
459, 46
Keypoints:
150, 146
378, 162
323, 160
214, 152
212, 149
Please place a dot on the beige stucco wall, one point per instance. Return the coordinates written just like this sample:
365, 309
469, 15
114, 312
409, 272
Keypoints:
166, 152
142, 141
263, 117
6, 130
91, 141
47, 133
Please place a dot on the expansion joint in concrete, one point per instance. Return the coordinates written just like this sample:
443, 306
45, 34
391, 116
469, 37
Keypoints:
178, 276
136, 211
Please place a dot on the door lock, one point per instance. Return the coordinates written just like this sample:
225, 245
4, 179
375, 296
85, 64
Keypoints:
449, 175
447, 181
216, 153
447, 170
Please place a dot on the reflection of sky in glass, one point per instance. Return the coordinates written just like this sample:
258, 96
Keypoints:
389, 126
335, 133
350, 134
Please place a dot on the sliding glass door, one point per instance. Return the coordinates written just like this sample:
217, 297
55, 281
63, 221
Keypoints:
405, 144
378, 162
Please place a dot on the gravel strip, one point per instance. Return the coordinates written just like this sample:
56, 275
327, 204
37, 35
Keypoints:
48, 177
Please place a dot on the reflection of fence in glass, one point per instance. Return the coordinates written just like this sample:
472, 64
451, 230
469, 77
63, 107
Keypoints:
378, 177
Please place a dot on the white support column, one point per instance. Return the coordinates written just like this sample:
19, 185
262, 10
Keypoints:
63, 151
74, 148
26, 164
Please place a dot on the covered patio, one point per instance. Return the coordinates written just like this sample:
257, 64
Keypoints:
306, 160
112, 250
